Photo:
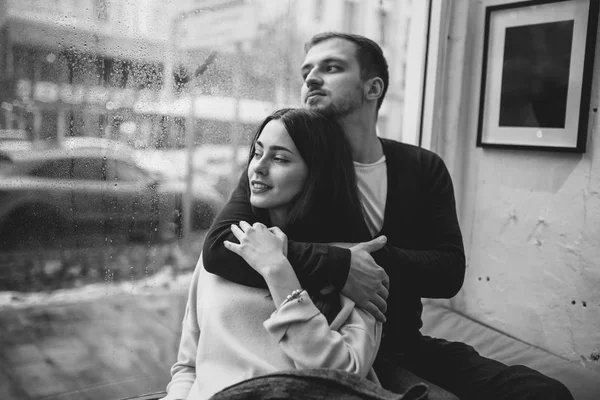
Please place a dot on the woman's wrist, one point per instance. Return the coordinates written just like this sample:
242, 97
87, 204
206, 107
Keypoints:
275, 268
281, 280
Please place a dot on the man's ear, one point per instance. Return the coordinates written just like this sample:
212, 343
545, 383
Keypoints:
374, 88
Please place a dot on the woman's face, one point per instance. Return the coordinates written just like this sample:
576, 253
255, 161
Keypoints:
276, 172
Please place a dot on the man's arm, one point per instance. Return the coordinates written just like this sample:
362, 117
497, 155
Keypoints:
436, 267
316, 265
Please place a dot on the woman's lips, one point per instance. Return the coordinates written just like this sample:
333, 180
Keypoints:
258, 187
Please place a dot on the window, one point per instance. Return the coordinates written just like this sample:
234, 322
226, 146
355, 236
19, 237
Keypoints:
88, 169
349, 15
383, 22
55, 169
101, 8
125, 172
107, 79
319, 5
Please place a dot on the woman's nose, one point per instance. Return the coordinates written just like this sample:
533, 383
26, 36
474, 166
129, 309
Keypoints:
261, 167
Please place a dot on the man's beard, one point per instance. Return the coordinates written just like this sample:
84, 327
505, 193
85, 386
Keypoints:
337, 111
342, 108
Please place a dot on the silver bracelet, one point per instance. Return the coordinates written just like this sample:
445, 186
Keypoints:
293, 296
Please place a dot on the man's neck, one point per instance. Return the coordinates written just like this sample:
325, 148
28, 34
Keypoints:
362, 135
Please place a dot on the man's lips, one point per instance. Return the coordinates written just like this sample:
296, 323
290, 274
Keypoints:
314, 94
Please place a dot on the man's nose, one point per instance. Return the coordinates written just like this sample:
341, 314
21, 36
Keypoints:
313, 78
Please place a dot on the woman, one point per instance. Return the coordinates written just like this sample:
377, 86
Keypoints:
302, 182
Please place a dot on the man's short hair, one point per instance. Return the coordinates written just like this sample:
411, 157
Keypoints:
369, 54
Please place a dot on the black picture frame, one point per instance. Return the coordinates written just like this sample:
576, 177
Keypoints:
537, 67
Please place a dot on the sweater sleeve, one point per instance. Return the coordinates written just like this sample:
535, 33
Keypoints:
183, 372
436, 270
305, 336
317, 265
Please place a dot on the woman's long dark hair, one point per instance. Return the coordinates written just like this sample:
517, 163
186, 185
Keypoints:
327, 209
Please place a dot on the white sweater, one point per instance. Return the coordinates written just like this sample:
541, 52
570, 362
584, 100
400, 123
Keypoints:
232, 332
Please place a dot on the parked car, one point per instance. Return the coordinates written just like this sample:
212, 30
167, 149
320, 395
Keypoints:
5, 158
51, 193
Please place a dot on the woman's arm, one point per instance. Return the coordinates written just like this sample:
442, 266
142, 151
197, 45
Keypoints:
183, 372
300, 328
305, 336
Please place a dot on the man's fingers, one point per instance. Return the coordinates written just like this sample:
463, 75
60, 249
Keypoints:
380, 303
374, 311
384, 292
386, 282
375, 244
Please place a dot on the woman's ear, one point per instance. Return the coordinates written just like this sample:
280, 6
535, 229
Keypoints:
374, 88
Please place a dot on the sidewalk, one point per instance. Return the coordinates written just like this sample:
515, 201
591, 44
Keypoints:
104, 341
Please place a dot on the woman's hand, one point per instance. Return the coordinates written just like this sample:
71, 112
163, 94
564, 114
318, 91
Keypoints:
265, 250
261, 247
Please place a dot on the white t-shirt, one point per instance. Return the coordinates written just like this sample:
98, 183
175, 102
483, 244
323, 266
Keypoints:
372, 191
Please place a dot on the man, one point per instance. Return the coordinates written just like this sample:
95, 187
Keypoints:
407, 195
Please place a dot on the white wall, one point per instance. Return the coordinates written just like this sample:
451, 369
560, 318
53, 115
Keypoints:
530, 219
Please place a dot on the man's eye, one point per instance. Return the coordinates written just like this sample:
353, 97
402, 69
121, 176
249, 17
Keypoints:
333, 68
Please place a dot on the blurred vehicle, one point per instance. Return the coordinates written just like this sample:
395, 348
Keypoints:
170, 165
5, 158
220, 160
78, 191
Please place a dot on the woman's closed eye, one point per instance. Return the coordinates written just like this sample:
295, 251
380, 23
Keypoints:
257, 154
281, 160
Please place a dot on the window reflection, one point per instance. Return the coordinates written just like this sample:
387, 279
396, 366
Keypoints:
115, 156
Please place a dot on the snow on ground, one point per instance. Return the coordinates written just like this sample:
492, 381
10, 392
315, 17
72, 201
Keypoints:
165, 280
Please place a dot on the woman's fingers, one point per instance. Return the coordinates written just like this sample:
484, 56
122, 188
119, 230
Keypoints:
232, 246
244, 226
259, 225
277, 232
237, 232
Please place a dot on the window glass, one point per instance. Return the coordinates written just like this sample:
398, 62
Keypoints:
90, 169
349, 15
55, 169
125, 172
95, 257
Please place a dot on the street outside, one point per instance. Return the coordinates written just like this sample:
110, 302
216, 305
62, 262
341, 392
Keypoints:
102, 338
105, 109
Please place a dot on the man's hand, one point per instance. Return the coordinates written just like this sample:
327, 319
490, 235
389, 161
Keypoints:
367, 283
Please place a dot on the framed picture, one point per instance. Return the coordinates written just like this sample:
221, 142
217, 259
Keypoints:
537, 74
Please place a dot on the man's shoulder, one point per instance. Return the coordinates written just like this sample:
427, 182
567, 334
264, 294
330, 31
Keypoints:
395, 150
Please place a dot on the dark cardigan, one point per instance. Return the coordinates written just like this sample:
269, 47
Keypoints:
424, 255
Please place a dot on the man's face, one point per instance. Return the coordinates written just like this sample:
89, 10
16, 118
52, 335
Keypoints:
332, 83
